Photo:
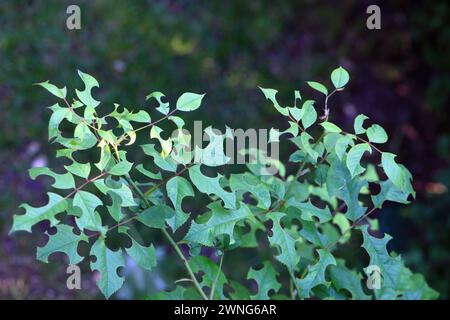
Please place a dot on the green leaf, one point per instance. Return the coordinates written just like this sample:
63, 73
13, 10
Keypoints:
341, 184
79, 169
389, 266
121, 168
147, 173
308, 114
389, 192
302, 141
105, 158
247, 182
358, 124
296, 113
58, 115
266, 279
88, 218
189, 101
65, 240
349, 280
167, 164
270, 94
309, 210
318, 87
156, 216
239, 292
177, 189
163, 106
394, 171
166, 145
316, 274
284, 241
117, 188
330, 127
297, 96
145, 257
210, 273
354, 158
341, 145
339, 77
177, 294
210, 186
85, 95
222, 221
60, 93
106, 263
311, 232
56, 204
376, 134
62, 181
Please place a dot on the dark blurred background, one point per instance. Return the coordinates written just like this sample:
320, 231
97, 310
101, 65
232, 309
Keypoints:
400, 78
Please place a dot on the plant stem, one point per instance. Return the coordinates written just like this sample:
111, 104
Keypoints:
170, 239
213, 287
186, 263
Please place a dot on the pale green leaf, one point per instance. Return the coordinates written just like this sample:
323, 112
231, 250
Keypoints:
189, 101
59, 92
354, 158
177, 189
85, 96
318, 87
339, 77
376, 134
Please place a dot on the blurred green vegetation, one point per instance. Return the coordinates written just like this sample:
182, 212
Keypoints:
400, 77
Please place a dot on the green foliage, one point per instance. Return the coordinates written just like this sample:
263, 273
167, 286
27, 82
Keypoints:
302, 217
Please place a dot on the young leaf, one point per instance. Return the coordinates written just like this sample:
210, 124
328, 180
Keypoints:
163, 106
318, 86
354, 158
189, 101
358, 124
121, 168
177, 189
339, 77
330, 127
85, 96
376, 134
60, 93
308, 114
270, 94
